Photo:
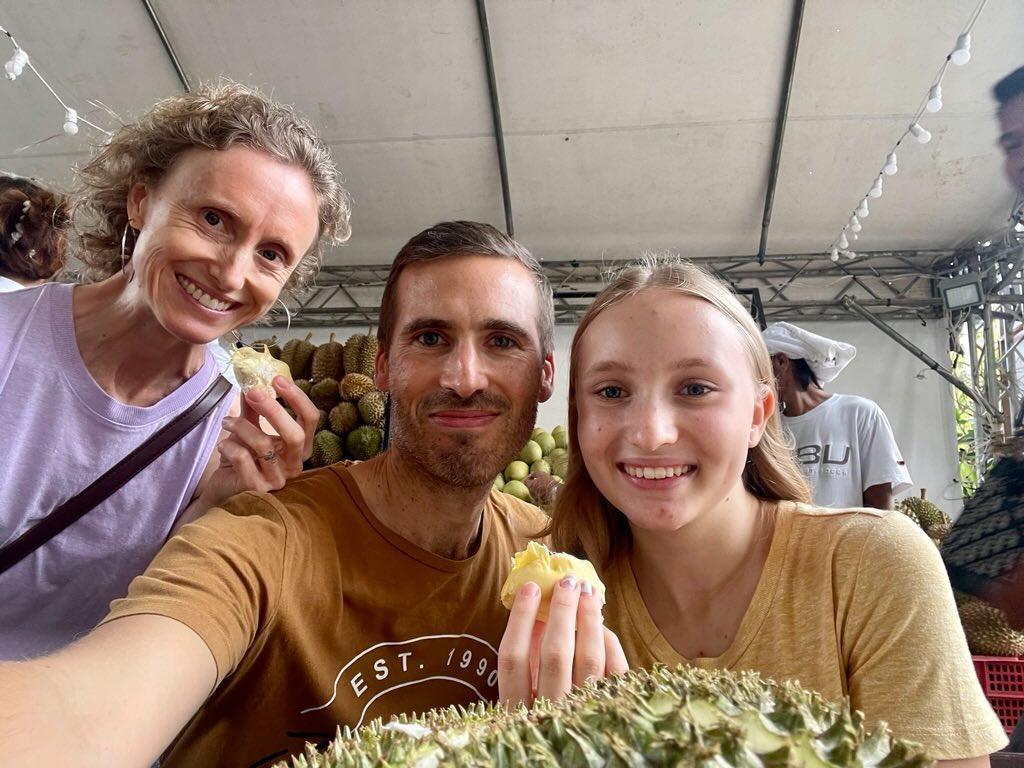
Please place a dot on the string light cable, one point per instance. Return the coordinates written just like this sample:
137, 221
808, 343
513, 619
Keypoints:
15, 66
931, 103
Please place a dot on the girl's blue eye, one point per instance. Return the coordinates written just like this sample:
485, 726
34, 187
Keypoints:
696, 390
611, 392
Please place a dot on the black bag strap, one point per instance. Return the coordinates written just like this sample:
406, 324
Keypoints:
113, 479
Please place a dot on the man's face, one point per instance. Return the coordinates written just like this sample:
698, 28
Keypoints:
1011, 123
464, 367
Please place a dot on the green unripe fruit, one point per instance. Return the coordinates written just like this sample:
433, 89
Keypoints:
541, 466
517, 470
499, 483
545, 441
561, 437
531, 452
517, 489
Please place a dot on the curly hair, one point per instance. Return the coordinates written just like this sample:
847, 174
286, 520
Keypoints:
33, 229
211, 117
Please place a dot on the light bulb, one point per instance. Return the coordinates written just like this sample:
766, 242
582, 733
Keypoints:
855, 225
862, 209
851, 255
16, 64
835, 254
920, 133
854, 236
890, 165
843, 242
876, 188
962, 53
934, 98
70, 122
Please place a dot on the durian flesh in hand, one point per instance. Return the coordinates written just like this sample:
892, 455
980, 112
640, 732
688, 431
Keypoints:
659, 717
256, 370
544, 568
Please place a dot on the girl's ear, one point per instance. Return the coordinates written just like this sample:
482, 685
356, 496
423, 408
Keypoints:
764, 406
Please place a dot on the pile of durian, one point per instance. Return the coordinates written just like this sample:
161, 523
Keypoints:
987, 630
662, 717
338, 378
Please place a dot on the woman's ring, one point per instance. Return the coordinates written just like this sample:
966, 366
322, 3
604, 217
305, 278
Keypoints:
269, 456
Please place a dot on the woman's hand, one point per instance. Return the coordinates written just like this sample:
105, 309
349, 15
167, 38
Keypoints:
252, 460
548, 659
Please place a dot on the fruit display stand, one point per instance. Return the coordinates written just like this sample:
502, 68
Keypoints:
1002, 680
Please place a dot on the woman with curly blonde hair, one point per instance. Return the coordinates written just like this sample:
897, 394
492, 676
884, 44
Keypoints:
684, 494
191, 223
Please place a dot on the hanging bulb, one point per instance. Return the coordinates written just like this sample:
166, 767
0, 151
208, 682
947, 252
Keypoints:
920, 133
851, 255
835, 254
70, 122
855, 225
843, 242
934, 98
962, 53
876, 188
16, 64
862, 209
854, 236
890, 164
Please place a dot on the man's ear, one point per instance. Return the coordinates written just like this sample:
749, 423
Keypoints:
380, 370
547, 379
764, 407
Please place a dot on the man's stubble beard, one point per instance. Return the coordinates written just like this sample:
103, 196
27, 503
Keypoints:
460, 461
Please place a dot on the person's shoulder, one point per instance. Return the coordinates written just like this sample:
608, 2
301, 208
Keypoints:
853, 403
522, 519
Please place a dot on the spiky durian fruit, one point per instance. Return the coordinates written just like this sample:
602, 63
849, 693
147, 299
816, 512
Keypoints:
986, 628
305, 385
371, 408
256, 370
354, 352
271, 346
354, 386
368, 357
298, 355
364, 442
324, 394
344, 417
660, 717
932, 520
327, 449
327, 360
322, 421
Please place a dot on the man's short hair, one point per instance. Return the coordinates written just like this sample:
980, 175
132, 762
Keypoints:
1009, 87
804, 375
450, 239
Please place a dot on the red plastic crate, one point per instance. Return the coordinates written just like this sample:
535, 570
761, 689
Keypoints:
1002, 680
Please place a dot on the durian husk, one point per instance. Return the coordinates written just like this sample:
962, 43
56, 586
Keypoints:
932, 520
328, 448
298, 356
344, 417
354, 386
368, 357
364, 442
353, 352
324, 394
327, 362
987, 630
659, 717
371, 408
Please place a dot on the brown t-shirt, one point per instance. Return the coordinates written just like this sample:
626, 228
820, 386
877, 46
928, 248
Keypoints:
317, 616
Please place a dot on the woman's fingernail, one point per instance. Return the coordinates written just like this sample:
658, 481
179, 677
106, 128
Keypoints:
255, 396
280, 382
529, 589
568, 582
586, 588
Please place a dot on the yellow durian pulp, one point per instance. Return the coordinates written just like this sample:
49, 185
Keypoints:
544, 568
256, 370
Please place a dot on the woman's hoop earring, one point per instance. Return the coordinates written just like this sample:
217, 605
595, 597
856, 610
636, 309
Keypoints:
287, 313
124, 242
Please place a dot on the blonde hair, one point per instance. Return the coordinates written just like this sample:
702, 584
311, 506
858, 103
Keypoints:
211, 117
583, 520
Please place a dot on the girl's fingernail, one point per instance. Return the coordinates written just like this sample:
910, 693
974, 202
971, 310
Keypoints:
568, 582
255, 396
586, 588
529, 589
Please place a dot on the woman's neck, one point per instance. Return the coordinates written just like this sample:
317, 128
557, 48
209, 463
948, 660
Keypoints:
125, 349
698, 582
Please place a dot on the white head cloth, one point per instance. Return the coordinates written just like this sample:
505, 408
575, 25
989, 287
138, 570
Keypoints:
826, 357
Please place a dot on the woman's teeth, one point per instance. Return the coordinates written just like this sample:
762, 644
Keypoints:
207, 301
657, 473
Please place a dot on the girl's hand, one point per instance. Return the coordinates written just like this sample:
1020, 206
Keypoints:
548, 659
252, 460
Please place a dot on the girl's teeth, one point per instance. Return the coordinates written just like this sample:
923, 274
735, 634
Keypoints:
656, 473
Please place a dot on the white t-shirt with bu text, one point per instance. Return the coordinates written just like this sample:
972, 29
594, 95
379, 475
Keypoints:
844, 446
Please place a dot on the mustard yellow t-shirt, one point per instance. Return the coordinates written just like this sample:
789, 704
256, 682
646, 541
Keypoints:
852, 603
317, 616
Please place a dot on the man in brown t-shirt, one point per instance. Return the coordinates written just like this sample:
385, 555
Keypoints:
355, 592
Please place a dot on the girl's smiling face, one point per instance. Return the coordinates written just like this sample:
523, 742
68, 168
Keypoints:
668, 407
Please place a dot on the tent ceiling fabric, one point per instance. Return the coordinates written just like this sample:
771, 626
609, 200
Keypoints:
628, 125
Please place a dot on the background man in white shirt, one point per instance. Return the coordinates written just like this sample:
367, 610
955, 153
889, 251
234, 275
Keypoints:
844, 443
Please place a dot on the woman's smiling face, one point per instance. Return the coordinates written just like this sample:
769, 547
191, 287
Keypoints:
219, 237
667, 407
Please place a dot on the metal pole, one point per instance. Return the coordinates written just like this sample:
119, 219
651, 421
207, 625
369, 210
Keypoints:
499, 135
780, 127
979, 426
851, 304
167, 45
